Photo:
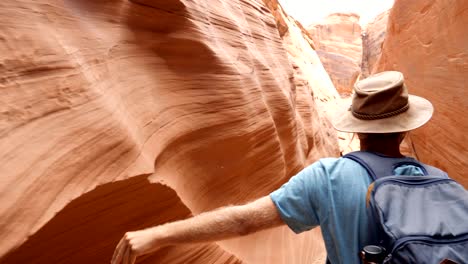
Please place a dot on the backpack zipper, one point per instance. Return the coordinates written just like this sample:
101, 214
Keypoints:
410, 180
403, 241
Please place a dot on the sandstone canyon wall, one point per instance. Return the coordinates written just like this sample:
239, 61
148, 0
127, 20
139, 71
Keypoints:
112, 120
372, 40
427, 41
310, 77
339, 45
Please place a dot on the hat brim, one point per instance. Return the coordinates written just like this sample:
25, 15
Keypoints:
419, 112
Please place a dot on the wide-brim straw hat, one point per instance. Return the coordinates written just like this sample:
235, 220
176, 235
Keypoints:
381, 104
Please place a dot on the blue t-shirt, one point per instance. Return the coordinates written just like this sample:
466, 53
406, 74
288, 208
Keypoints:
331, 193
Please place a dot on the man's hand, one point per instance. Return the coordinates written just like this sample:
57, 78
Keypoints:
134, 244
223, 223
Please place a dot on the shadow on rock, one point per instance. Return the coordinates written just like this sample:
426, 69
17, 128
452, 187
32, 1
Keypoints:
168, 30
88, 228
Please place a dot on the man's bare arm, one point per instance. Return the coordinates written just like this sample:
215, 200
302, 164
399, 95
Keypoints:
223, 223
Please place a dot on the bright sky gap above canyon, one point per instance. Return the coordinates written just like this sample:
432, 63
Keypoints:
313, 11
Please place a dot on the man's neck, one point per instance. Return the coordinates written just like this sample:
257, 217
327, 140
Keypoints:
384, 149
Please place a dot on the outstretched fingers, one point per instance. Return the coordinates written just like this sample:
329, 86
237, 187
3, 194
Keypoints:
123, 253
129, 257
118, 252
132, 258
126, 257
134, 244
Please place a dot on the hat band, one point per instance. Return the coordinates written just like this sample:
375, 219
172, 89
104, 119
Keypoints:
379, 116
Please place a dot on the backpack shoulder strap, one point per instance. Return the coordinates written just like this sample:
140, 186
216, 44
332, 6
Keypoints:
380, 166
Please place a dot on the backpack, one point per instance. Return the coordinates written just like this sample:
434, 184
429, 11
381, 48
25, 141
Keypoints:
414, 219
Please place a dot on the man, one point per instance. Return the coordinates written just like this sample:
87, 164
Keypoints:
330, 193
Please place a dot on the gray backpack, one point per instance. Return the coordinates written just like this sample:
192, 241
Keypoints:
414, 219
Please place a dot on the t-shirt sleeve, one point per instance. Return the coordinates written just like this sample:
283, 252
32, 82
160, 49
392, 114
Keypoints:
298, 201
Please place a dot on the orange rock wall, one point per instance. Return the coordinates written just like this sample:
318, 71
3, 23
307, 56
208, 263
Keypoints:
112, 120
372, 41
310, 79
427, 41
339, 45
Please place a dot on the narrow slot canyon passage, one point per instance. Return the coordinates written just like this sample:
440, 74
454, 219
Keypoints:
121, 115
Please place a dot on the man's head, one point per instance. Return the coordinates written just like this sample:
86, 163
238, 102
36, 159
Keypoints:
381, 105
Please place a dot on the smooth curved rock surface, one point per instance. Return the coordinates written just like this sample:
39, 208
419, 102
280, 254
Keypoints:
427, 41
339, 45
311, 80
112, 120
372, 41
81, 232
